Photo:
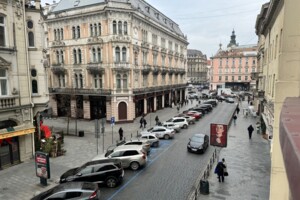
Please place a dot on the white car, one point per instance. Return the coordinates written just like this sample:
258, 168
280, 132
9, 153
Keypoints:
154, 141
176, 127
180, 121
162, 132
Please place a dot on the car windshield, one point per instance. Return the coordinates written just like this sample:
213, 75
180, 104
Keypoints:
197, 139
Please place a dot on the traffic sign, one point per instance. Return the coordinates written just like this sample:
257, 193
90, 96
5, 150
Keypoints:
112, 121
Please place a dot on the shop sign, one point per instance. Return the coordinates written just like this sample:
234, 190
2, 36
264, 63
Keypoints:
42, 165
16, 133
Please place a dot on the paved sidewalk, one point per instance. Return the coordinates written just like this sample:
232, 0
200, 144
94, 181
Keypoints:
248, 164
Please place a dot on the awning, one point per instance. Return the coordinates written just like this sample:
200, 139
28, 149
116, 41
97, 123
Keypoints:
17, 133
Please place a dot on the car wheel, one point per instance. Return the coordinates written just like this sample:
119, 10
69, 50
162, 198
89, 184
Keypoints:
111, 182
185, 126
166, 137
134, 166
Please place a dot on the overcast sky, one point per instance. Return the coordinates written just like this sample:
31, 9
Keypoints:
210, 22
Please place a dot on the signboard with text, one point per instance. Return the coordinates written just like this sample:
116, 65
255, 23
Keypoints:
218, 135
42, 165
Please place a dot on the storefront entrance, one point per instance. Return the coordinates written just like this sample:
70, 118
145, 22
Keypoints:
9, 152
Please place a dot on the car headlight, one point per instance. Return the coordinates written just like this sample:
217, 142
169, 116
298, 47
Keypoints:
189, 145
201, 147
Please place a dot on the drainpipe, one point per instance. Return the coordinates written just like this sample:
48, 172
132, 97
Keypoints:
28, 73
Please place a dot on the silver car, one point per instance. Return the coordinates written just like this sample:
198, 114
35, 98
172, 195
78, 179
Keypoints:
143, 142
77, 190
162, 132
154, 141
132, 156
176, 127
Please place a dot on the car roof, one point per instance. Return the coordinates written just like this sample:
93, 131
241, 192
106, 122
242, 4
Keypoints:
103, 161
128, 147
178, 118
199, 135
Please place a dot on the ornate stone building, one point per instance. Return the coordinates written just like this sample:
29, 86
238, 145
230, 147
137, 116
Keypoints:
23, 88
114, 58
232, 68
197, 67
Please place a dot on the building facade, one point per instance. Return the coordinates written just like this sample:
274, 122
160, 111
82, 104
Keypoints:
278, 32
23, 90
232, 68
196, 67
116, 58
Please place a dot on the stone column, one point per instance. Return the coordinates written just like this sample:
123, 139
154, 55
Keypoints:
73, 109
154, 104
145, 106
86, 108
163, 101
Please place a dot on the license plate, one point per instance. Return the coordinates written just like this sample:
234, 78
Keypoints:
194, 149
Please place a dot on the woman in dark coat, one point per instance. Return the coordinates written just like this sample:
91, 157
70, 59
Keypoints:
220, 171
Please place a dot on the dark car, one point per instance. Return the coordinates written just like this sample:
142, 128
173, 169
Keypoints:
198, 143
229, 100
108, 172
206, 105
71, 190
212, 102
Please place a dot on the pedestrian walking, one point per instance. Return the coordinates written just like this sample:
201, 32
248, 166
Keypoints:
145, 123
141, 122
121, 133
219, 170
250, 130
156, 120
234, 119
178, 108
237, 110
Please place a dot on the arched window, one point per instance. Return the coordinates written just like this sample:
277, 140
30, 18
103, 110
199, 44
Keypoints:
79, 56
73, 32
78, 31
120, 27
62, 56
31, 39
57, 57
99, 28
95, 29
118, 77
114, 27
99, 55
58, 34
94, 55
34, 86
125, 81
91, 30
76, 81
61, 33
117, 54
81, 81
124, 54
125, 28
75, 56
55, 36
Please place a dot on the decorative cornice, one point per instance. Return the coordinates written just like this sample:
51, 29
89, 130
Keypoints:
155, 48
145, 45
95, 69
95, 40
4, 64
58, 44
120, 38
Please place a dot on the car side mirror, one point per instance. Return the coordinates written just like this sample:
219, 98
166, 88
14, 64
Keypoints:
79, 174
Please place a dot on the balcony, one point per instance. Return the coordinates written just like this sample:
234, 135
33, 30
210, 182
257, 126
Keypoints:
95, 68
171, 71
80, 91
138, 91
290, 144
8, 102
156, 70
121, 66
58, 69
146, 69
164, 70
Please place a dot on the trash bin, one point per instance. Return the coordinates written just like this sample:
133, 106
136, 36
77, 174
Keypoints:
204, 187
80, 133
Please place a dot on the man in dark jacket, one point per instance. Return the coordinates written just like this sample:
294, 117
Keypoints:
219, 170
250, 130
121, 133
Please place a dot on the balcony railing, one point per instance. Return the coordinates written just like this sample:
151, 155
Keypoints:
79, 91
8, 102
157, 88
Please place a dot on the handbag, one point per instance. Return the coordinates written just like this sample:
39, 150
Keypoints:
225, 173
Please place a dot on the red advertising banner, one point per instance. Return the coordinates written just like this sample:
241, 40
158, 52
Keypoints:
42, 165
218, 135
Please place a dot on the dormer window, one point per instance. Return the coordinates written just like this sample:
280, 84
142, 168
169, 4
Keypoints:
165, 20
157, 15
148, 9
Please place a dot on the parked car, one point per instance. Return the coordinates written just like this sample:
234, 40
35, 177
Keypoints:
190, 119
154, 141
193, 96
207, 106
108, 171
198, 143
146, 145
181, 121
162, 132
176, 127
132, 156
220, 98
212, 102
71, 190
229, 100
195, 114
198, 109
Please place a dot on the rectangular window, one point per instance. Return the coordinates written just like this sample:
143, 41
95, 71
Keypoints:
163, 43
246, 78
3, 82
240, 70
220, 78
253, 69
246, 69
232, 70
2, 31
232, 78
170, 45
154, 79
220, 70
226, 78
239, 78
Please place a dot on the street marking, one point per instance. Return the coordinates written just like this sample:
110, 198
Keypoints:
138, 173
